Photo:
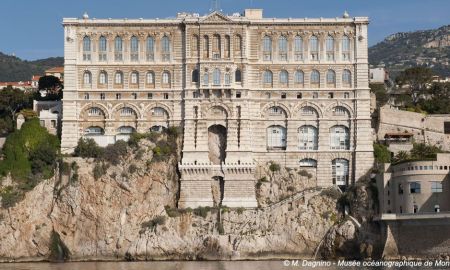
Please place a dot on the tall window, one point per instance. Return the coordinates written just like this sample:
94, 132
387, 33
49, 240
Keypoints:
166, 78
346, 48
330, 48
238, 46
238, 75
340, 172
227, 46
206, 78
118, 78
165, 45
134, 49
118, 48
307, 137
339, 138
195, 76
150, 49
299, 77
284, 77
86, 48
268, 78
315, 78
227, 79
150, 78
346, 78
103, 78
331, 78
216, 46
298, 48
276, 137
195, 46
283, 48
87, 79
102, 49
216, 77
314, 48
134, 77
205, 47
267, 48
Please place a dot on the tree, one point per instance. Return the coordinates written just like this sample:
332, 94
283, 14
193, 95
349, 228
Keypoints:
417, 80
380, 92
439, 101
50, 83
13, 100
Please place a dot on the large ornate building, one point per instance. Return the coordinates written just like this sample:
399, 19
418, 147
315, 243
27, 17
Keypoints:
246, 90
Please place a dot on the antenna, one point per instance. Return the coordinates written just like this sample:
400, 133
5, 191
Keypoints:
215, 5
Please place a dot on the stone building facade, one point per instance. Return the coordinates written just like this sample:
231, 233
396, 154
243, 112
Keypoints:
247, 90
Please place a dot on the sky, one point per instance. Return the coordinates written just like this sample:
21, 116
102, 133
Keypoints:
31, 29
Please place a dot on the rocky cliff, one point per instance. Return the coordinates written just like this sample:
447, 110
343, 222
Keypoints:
129, 213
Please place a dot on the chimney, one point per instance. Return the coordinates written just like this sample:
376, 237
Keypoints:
253, 14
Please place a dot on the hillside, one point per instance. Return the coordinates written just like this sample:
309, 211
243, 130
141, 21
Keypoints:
15, 69
429, 48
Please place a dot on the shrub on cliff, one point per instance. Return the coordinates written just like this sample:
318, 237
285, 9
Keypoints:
381, 153
30, 153
87, 148
114, 152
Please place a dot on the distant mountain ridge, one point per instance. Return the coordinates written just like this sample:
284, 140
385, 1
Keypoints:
14, 69
429, 48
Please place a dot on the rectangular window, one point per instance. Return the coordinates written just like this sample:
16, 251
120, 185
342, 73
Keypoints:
166, 96
102, 96
447, 127
53, 123
149, 96
414, 187
118, 96
238, 94
436, 187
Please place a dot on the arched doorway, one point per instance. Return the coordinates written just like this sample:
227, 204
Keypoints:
217, 143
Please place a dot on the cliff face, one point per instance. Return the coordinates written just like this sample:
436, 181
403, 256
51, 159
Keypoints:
122, 215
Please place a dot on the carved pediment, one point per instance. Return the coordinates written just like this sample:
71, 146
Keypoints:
216, 17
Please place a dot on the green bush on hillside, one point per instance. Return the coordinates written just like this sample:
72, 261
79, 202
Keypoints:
381, 152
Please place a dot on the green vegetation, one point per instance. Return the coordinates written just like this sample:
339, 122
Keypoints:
438, 101
381, 153
274, 167
416, 79
305, 173
99, 170
12, 101
30, 153
153, 223
202, 211
87, 148
381, 94
420, 151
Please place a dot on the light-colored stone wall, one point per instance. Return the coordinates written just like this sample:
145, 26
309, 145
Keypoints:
242, 107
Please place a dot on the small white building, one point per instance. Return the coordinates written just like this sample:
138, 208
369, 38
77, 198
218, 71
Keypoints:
378, 75
49, 113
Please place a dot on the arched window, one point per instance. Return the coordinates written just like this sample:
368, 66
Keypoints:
315, 78
92, 131
206, 78
284, 77
345, 48
309, 111
308, 163
307, 138
268, 78
134, 77
339, 138
195, 76
195, 46
102, 49
238, 46
150, 49
276, 111
216, 77
159, 112
227, 79
118, 78
341, 111
340, 172
118, 48
346, 78
314, 48
283, 48
205, 47
125, 130
166, 78
298, 48
134, 49
87, 79
157, 129
331, 78
267, 48
103, 78
86, 48
95, 111
238, 75
227, 46
276, 137
150, 78
216, 46
127, 111
165, 46
299, 77
329, 44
